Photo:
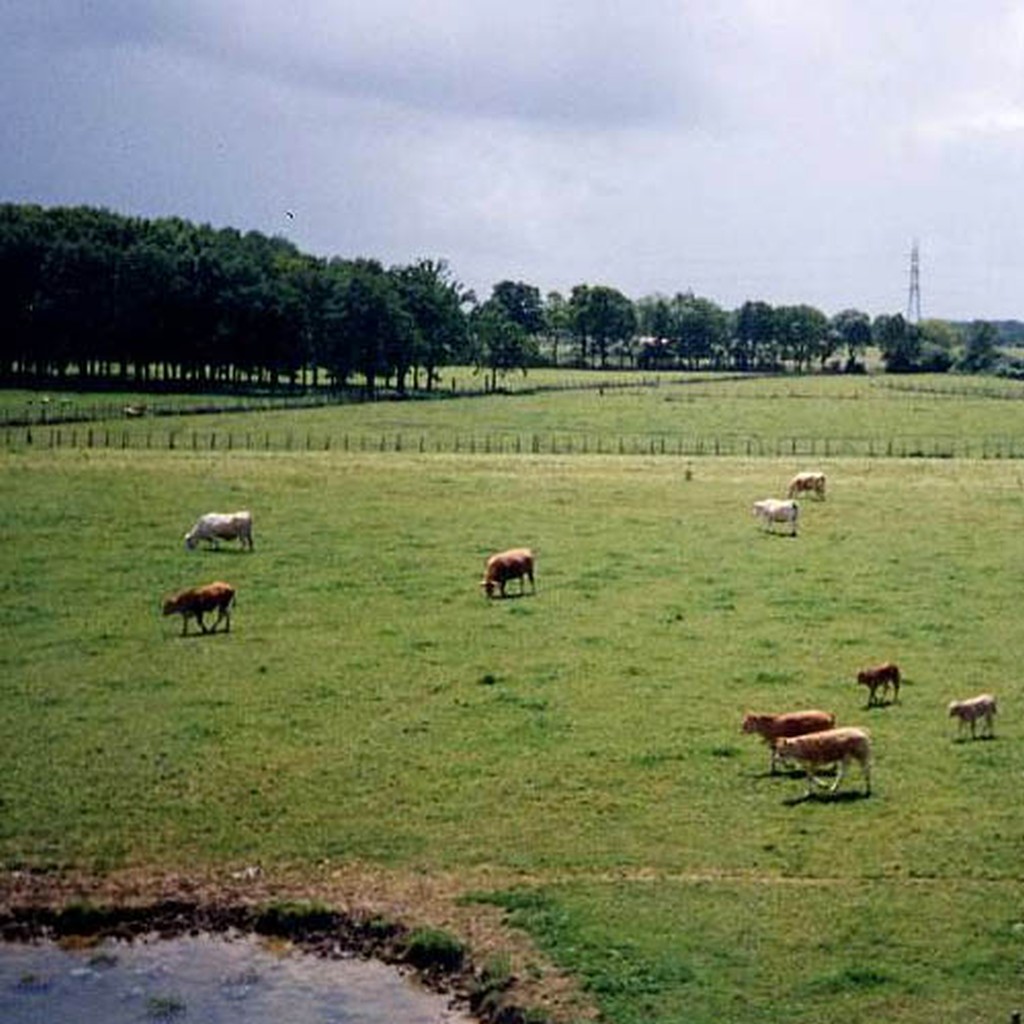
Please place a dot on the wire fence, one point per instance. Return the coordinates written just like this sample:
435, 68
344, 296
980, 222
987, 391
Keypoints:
555, 443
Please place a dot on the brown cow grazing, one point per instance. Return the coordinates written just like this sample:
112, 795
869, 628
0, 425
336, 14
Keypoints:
969, 711
197, 601
514, 564
772, 728
881, 677
834, 746
812, 482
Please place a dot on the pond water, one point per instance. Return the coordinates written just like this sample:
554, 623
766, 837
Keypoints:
208, 979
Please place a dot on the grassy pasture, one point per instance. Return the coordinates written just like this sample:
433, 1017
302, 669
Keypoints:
581, 744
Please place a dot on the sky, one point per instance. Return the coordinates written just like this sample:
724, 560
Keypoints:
785, 151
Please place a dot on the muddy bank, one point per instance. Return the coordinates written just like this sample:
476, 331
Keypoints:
415, 923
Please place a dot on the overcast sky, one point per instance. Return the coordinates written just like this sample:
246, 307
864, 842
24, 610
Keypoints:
782, 150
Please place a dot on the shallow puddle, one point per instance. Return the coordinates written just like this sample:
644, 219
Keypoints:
208, 979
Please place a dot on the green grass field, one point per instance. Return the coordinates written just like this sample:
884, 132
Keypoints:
581, 745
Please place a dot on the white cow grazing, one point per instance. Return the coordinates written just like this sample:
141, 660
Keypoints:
777, 510
833, 746
807, 481
969, 711
217, 526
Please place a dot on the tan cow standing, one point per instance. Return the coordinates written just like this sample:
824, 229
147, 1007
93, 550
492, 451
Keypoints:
838, 747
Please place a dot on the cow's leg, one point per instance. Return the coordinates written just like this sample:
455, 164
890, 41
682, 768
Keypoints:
840, 772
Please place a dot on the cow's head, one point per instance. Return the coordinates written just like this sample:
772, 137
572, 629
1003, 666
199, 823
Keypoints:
190, 541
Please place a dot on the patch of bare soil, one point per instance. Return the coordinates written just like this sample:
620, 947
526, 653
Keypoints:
331, 911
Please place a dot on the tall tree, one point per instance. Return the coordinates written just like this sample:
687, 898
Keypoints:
435, 301
753, 344
700, 330
898, 341
604, 316
981, 351
557, 322
853, 331
371, 326
500, 344
803, 335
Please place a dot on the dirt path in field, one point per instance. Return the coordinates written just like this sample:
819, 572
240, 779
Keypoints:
367, 911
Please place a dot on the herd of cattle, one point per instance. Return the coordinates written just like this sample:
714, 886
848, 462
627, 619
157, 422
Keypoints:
807, 738
810, 738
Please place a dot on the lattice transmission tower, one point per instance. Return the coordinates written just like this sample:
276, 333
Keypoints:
914, 293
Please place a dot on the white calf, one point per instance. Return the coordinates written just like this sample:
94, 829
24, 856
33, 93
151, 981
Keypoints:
969, 711
776, 510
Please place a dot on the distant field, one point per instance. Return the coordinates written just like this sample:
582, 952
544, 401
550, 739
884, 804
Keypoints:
582, 745
776, 416
42, 405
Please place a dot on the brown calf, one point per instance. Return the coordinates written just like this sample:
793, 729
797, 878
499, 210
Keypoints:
881, 677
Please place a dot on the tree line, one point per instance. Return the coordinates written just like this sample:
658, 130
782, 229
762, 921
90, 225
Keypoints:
107, 298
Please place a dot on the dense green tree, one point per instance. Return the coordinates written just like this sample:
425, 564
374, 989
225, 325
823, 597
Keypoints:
898, 341
557, 322
802, 333
981, 348
852, 329
370, 327
602, 316
521, 303
435, 301
699, 331
753, 344
500, 345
